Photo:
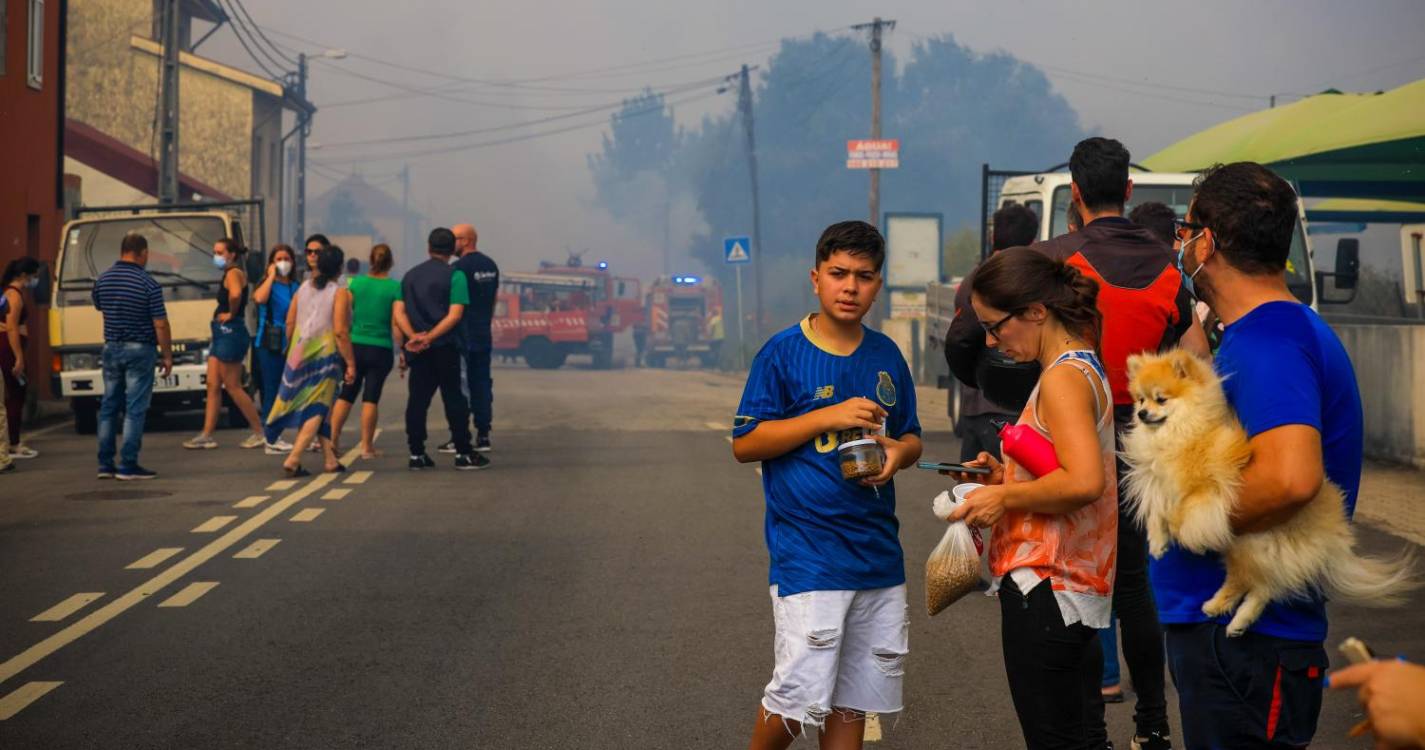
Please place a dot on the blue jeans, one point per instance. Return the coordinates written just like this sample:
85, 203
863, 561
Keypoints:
269, 367
128, 385
480, 387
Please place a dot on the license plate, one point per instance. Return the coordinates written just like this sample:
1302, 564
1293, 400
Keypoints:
166, 381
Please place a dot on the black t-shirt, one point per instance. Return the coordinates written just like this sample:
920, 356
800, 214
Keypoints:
428, 291
483, 278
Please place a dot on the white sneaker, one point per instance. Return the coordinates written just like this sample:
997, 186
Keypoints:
201, 442
24, 451
253, 441
279, 448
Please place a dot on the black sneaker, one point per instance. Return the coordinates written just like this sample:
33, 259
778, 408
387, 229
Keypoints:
107, 472
134, 473
471, 462
482, 444
446, 447
423, 461
1154, 741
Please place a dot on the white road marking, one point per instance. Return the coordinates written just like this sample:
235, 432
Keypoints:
189, 594
256, 549
67, 607
28, 693
213, 524
728, 438
358, 477
282, 485
251, 501
153, 559
873, 728
336, 494
758, 470
71, 633
307, 515
719, 426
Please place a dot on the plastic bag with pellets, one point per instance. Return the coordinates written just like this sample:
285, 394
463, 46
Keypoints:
953, 569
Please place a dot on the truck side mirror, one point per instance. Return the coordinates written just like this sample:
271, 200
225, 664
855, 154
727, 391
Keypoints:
44, 291
1348, 262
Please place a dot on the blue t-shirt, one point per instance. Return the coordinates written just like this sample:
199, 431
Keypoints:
824, 532
279, 299
1282, 366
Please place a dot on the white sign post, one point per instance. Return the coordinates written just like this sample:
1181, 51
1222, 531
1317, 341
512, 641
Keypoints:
737, 252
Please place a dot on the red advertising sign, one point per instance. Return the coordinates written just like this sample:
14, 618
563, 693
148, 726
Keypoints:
882, 154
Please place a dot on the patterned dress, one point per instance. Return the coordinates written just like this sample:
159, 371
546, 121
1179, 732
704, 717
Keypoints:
314, 367
1077, 552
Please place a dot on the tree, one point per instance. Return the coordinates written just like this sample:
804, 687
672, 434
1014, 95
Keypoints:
344, 216
642, 141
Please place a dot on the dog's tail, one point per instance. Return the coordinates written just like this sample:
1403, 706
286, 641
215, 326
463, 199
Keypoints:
1372, 581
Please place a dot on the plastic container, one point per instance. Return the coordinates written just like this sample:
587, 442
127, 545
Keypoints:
860, 458
1029, 449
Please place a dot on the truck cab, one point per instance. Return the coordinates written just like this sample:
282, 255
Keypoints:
683, 319
180, 259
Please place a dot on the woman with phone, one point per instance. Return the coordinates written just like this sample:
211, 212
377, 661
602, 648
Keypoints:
1055, 539
272, 297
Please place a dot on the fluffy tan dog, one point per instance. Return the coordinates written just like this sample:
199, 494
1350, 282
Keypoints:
1186, 453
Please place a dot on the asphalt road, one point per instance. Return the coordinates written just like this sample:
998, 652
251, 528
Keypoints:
603, 585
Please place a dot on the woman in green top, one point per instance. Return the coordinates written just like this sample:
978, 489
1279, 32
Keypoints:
376, 341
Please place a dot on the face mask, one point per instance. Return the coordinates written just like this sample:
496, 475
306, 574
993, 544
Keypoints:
1188, 277
284, 267
220, 261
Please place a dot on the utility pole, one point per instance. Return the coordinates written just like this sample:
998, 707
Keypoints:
168, 84
875, 26
744, 103
1273, 103
304, 128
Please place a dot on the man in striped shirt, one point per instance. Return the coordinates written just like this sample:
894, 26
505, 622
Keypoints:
135, 323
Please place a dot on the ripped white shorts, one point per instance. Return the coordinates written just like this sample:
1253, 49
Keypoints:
838, 650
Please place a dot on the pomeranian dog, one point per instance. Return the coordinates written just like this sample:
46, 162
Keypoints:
1186, 453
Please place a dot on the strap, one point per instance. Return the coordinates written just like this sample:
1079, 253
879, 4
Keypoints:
1088, 366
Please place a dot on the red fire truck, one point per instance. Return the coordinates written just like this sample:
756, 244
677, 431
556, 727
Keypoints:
561, 310
683, 320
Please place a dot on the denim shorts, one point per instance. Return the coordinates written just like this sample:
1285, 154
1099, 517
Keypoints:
230, 341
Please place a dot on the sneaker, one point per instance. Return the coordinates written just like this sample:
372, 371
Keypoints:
279, 448
422, 461
7, 468
1154, 741
446, 447
315, 447
23, 451
106, 472
482, 444
253, 441
471, 462
134, 473
200, 443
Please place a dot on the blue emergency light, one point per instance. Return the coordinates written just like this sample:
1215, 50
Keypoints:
603, 265
686, 279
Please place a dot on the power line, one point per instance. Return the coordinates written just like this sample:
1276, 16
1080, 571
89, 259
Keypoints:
238, 30
258, 29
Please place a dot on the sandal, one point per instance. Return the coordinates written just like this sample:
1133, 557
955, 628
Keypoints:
338, 469
1112, 694
295, 473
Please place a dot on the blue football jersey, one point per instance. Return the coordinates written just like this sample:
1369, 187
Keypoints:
824, 532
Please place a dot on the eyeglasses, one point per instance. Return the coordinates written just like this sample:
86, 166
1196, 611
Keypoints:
312, 251
993, 328
1185, 229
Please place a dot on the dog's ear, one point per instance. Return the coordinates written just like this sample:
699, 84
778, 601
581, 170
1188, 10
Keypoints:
1182, 367
1135, 361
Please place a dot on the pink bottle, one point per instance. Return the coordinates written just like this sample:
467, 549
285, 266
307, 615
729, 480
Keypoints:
1029, 449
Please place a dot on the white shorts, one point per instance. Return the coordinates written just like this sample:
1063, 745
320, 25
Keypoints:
838, 650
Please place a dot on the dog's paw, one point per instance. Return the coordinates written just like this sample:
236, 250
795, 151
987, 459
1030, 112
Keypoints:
1216, 606
1157, 548
1234, 631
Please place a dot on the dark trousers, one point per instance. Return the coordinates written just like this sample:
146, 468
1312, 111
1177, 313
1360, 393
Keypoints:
1054, 671
1139, 629
269, 367
481, 388
14, 392
978, 433
1252, 691
438, 367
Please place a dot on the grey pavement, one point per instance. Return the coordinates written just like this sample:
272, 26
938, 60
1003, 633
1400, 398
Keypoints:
603, 585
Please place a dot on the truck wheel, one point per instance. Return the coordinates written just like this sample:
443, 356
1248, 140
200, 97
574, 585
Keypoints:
709, 360
542, 354
86, 415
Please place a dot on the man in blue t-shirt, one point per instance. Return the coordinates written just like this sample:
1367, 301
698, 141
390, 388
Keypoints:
1292, 385
837, 571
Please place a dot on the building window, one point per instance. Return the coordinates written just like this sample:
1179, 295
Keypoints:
36, 57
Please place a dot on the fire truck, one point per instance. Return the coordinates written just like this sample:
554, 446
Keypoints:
561, 310
683, 320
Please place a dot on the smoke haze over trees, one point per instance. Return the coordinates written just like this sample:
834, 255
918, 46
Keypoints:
952, 109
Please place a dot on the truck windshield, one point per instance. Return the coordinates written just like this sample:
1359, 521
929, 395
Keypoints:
180, 249
1298, 264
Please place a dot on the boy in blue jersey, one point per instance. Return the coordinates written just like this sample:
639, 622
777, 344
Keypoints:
837, 571
1292, 385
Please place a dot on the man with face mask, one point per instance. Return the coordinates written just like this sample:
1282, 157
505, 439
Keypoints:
1291, 383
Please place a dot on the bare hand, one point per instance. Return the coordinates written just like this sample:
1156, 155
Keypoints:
983, 507
350, 374
984, 461
418, 343
1393, 695
855, 412
895, 457
19, 364
403, 364
166, 368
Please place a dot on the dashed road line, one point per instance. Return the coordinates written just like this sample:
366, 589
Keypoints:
307, 515
251, 501
872, 732
213, 524
153, 559
189, 594
255, 550
67, 607
728, 438
336, 494
282, 485
27, 693
358, 477
719, 426
34, 654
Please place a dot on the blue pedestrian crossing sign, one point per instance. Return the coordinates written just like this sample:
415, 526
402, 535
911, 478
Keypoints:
737, 249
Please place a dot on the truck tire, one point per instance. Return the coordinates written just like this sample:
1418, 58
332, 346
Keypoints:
86, 415
541, 354
709, 360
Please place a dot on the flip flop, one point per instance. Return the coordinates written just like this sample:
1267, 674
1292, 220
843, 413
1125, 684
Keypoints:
296, 473
337, 470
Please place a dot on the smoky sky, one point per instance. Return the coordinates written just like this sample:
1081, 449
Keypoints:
1146, 73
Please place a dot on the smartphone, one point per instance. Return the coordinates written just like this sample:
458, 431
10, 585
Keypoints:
959, 468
